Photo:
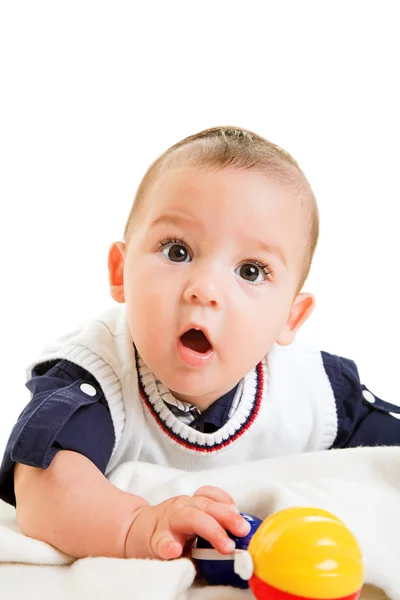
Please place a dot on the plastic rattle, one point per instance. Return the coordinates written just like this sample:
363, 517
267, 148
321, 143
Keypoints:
218, 569
297, 554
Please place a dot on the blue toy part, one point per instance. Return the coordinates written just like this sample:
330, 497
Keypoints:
217, 569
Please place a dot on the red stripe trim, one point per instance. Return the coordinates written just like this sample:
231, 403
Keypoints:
264, 591
204, 448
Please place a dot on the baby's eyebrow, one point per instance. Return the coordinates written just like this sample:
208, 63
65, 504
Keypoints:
173, 218
272, 249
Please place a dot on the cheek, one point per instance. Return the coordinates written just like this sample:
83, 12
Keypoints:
148, 297
261, 321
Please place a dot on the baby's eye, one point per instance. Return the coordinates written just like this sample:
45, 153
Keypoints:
252, 272
175, 252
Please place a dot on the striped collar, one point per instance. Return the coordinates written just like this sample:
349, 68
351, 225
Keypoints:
213, 418
252, 393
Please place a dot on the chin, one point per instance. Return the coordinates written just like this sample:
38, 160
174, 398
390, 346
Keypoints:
188, 387
177, 388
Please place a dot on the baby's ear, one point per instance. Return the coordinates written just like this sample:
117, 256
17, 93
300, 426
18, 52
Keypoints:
116, 261
302, 307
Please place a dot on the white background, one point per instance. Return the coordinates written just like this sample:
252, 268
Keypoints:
92, 92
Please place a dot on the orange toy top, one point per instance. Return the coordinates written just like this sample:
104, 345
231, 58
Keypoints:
307, 552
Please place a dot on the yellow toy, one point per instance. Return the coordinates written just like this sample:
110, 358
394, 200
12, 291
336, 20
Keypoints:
302, 553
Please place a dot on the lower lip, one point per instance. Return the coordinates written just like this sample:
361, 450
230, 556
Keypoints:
193, 358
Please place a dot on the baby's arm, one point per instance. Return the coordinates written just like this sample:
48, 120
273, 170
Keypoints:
73, 507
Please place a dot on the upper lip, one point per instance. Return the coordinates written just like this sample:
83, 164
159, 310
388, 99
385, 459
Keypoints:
198, 328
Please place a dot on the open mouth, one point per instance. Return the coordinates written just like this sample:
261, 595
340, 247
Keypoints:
196, 340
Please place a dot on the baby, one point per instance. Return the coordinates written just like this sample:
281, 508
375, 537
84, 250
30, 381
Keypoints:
195, 367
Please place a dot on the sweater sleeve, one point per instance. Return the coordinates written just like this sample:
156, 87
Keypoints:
363, 418
67, 411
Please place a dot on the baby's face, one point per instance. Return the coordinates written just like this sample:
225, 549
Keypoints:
219, 252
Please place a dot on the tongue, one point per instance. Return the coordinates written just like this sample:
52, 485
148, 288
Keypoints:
196, 340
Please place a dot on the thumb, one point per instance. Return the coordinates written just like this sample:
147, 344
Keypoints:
166, 546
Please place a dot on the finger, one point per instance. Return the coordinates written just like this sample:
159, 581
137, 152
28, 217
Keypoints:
215, 493
227, 516
166, 546
190, 520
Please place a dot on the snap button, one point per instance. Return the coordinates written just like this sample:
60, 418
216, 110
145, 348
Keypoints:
88, 389
368, 396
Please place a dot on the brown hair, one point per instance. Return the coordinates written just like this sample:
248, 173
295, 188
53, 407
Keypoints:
231, 147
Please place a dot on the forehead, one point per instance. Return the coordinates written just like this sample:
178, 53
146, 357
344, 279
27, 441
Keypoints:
228, 200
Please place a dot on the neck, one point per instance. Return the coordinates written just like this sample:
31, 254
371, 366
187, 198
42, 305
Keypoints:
205, 401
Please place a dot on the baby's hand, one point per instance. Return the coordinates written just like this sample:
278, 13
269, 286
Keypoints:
161, 531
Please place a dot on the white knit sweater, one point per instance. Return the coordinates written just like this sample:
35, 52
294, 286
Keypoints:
287, 404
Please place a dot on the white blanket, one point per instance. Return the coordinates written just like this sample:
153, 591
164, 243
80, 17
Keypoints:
361, 486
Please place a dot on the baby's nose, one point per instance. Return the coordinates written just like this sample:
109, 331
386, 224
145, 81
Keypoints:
205, 289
